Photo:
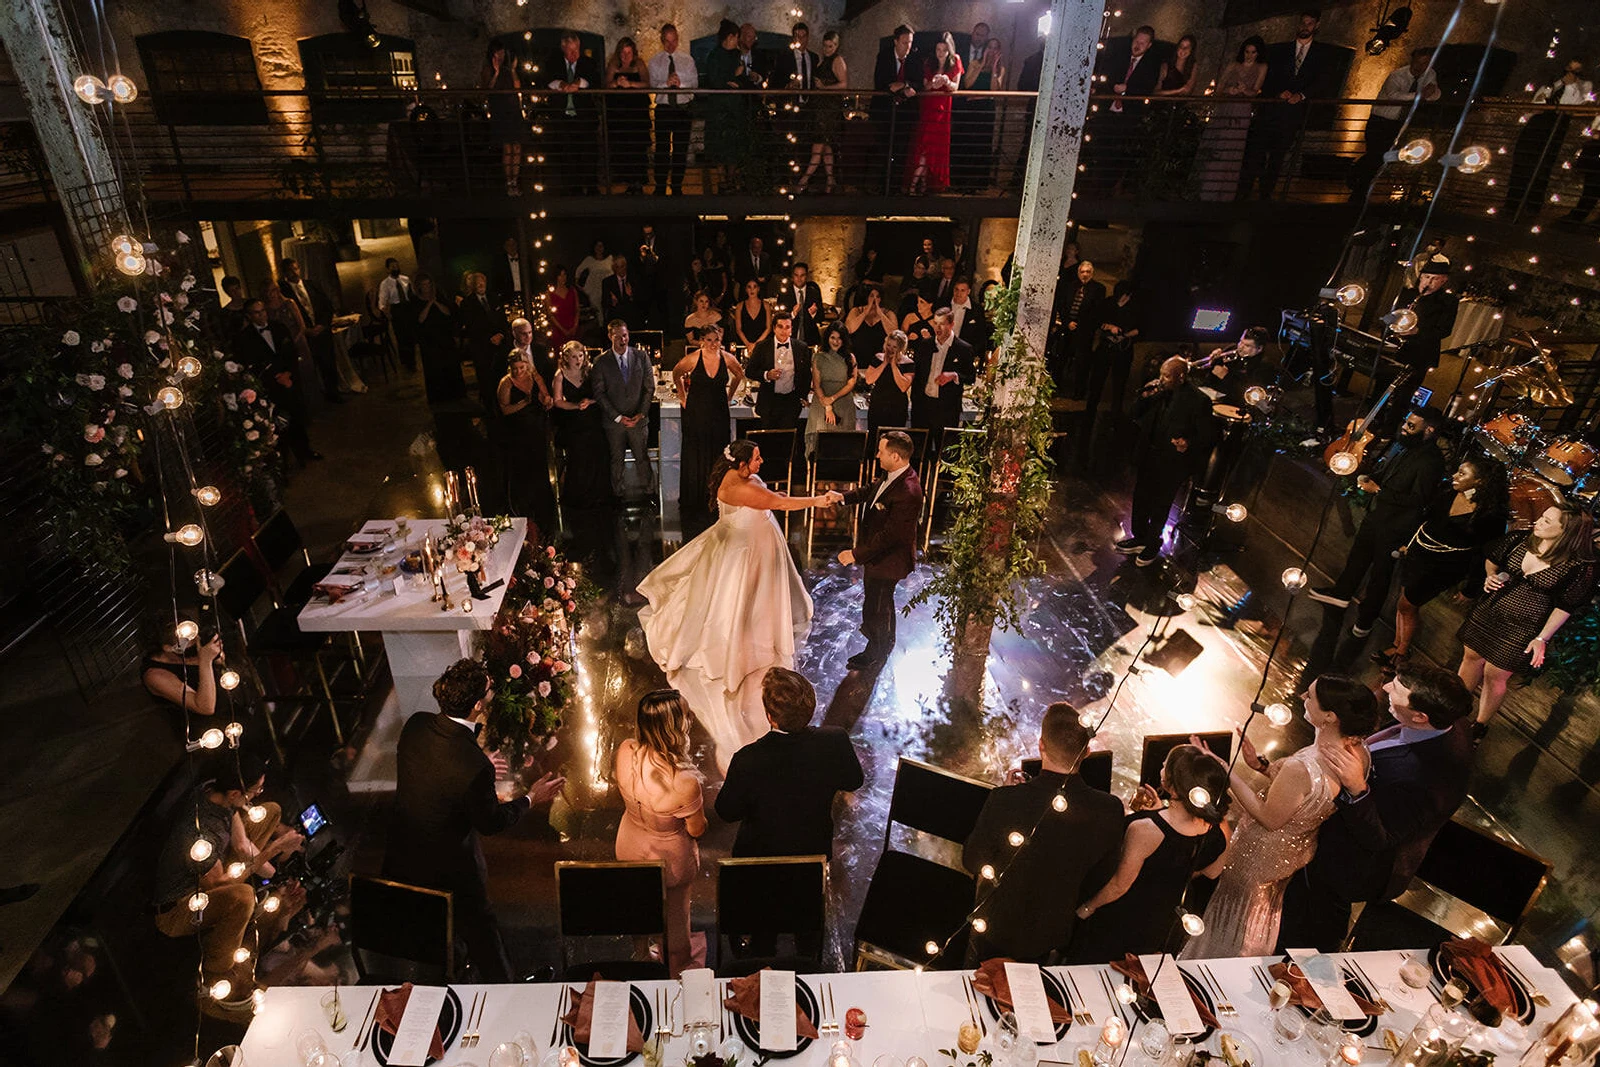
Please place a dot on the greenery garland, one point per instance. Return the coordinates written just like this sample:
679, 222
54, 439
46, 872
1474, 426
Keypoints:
998, 512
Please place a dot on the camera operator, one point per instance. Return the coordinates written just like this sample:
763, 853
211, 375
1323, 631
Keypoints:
232, 848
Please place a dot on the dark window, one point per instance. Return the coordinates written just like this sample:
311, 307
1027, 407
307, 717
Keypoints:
348, 80
202, 78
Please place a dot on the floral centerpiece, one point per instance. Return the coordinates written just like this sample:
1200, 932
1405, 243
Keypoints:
466, 542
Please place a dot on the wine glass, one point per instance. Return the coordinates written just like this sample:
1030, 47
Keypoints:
1155, 1040
1006, 1034
1288, 1025
509, 1054
333, 1010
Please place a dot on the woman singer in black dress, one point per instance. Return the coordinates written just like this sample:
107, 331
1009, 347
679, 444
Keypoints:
705, 378
580, 433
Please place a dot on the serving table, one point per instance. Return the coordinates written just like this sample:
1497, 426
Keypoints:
908, 1014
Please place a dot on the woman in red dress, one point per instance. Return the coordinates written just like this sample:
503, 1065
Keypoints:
562, 307
928, 166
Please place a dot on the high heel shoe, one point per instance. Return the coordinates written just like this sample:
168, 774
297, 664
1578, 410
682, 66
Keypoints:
1386, 658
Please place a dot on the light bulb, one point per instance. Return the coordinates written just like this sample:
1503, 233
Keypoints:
1474, 158
1016, 838
1278, 714
90, 90
131, 262
220, 989
170, 396
198, 901
1255, 396
212, 738
1126, 993
986, 871
1350, 295
1416, 151
931, 948
1192, 924
241, 954
188, 534
1086, 719
122, 89
230, 680
187, 630
200, 851
1185, 601
271, 904
234, 730
258, 1000
208, 495
1058, 802
236, 869
1199, 796
1402, 320
189, 367
1343, 463
256, 812
1294, 579
1236, 512
980, 924
122, 244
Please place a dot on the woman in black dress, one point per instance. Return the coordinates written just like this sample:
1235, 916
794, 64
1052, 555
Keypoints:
435, 331
524, 440
889, 378
827, 112
705, 378
181, 674
499, 75
1119, 329
580, 433
870, 323
1534, 582
752, 321
1449, 544
628, 114
918, 325
715, 281
1161, 850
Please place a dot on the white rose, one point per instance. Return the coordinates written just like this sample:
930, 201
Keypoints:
49, 450
167, 317
230, 366
151, 337
252, 435
92, 460
120, 472
124, 390
70, 337
127, 305
248, 423
125, 370
187, 283
544, 689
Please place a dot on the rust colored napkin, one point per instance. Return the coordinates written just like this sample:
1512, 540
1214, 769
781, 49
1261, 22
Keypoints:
1133, 970
392, 1007
746, 1000
1301, 993
582, 1015
1477, 963
991, 981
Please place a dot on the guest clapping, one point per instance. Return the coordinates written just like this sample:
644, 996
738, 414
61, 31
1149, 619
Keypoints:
889, 378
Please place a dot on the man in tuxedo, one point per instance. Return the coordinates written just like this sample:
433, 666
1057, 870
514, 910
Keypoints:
316, 307
886, 543
573, 117
268, 350
624, 387
486, 330
619, 296
802, 298
943, 367
968, 320
1178, 430
782, 364
1083, 299
444, 799
1071, 853
897, 72
506, 279
780, 787
1115, 150
1387, 815
797, 70
755, 265
1298, 72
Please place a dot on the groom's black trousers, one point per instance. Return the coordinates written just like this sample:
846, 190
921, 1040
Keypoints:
877, 617
1315, 915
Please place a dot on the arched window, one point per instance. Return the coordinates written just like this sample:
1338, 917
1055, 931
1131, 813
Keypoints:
201, 78
348, 80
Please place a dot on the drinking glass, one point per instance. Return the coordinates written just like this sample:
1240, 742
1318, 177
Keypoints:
1325, 1031
1182, 1051
308, 1045
1288, 1025
887, 1060
226, 1056
1155, 1040
508, 1054
702, 1040
1006, 1035
402, 527
333, 1010
1414, 973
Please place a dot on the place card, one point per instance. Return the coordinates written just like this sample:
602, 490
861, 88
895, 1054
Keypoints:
1171, 994
777, 1011
608, 1030
1323, 974
415, 1033
1029, 1002
699, 996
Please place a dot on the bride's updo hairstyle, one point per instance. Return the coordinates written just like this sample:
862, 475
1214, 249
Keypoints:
1350, 701
1187, 767
734, 456
664, 728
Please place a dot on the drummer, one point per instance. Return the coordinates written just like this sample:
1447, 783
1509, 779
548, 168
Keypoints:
1231, 367
1435, 307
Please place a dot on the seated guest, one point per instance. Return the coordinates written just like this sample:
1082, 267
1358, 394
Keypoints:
1161, 850
703, 315
181, 673
1067, 856
780, 787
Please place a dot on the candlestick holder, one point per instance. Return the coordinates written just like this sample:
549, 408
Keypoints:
472, 492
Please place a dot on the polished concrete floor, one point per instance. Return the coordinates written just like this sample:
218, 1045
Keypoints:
75, 821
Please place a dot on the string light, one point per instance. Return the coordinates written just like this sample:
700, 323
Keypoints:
90, 90
122, 89
1192, 924
1416, 151
1294, 579
122, 244
979, 924
188, 534
1086, 719
131, 262
1059, 802
1015, 838
1199, 796
931, 948
187, 630
1343, 462
213, 738
230, 680
236, 869
170, 397
986, 872
189, 367
1236, 512
271, 904
1278, 714
258, 1000
234, 730
241, 955
208, 495
200, 851
198, 901
220, 989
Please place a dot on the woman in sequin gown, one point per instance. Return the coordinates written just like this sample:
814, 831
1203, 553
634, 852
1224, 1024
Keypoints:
1277, 834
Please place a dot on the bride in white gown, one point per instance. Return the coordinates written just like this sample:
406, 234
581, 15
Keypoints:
729, 605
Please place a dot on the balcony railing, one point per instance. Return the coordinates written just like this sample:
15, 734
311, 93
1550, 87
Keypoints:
452, 144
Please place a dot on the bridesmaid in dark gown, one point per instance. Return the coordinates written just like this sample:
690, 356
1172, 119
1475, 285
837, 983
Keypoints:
524, 437
706, 378
888, 374
580, 434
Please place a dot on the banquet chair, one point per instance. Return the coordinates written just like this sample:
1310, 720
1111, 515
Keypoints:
941, 481
1471, 883
840, 458
401, 933
279, 543
613, 902
912, 899
1095, 770
761, 899
774, 443
1156, 747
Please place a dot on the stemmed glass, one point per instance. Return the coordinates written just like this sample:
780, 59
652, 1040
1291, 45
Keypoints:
1155, 1040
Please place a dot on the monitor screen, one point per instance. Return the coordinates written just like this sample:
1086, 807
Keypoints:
1211, 320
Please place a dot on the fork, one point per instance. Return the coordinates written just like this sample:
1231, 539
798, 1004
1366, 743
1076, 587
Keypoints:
826, 1008
1080, 1011
466, 1031
561, 1009
1522, 980
472, 1037
1373, 992
1224, 1005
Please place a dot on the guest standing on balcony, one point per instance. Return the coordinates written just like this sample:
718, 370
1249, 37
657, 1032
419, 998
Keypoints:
561, 307
1298, 72
972, 133
1116, 133
833, 385
1221, 152
316, 308
752, 320
573, 119
499, 76
1404, 85
897, 77
826, 111
1539, 143
1177, 73
628, 116
928, 165
724, 112
672, 69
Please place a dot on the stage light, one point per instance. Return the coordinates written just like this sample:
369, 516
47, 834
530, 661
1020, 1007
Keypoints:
90, 90
1347, 296
1236, 512
122, 89
208, 495
1199, 796
1389, 30
1278, 714
1192, 924
187, 630
1343, 462
1294, 579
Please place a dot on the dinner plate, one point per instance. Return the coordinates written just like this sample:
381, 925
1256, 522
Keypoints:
641, 1015
1056, 991
1248, 1052
750, 1031
449, 1027
1153, 1011
1522, 1011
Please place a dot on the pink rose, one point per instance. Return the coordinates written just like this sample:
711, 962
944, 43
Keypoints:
571, 606
515, 671
533, 658
247, 395
544, 689
550, 551
94, 434
549, 582
562, 667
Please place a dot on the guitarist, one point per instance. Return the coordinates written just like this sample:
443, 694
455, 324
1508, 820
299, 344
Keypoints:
1419, 347
1404, 482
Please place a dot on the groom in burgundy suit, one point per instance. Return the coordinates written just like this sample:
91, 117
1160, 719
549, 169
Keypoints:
885, 545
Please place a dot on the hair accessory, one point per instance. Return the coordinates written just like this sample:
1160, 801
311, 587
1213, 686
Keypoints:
727, 453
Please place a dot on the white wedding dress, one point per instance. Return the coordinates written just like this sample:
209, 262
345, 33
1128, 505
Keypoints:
724, 609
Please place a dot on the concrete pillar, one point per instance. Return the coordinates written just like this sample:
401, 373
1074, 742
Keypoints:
69, 133
826, 244
997, 239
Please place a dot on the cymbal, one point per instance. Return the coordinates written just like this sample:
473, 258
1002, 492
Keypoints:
1539, 380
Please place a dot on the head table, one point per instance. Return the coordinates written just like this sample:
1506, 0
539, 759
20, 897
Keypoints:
908, 1014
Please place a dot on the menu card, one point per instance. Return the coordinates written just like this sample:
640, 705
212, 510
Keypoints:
608, 1030
1323, 974
1029, 1002
699, 996
415, 1033
1171, 994
777, 1011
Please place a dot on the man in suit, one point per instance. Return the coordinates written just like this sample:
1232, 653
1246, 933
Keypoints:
268, 350
507, 278
1179, 431
944, 286
672, 69
802, 298
780, 787
782, 364
572, 115
624, 387
897, 73
486, 331
316, 307
1435, 307
967, 317
886, 544
1387, 815
755, 264
758, 64
943, 367
619, 295
1115, 149
797, 70
1071, 852
1298, 71
1082, 301
444, 799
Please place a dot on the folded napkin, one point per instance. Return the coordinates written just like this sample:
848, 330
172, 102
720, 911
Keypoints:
338, 586
392, 1008
1133, 970
991, 981
582, 1015
1302, 994
745, 999
1477, 963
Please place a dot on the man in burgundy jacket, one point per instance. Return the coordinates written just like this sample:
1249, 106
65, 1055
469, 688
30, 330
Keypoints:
885, 545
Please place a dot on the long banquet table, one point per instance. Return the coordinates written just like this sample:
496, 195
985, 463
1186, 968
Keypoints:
908, 1014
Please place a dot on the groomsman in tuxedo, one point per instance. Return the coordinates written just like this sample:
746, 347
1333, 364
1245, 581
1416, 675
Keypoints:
802, 298
942, 367
624, 387
444, 799
886, 544
968, 320
267, 349
508, 279
316, 307
782, 364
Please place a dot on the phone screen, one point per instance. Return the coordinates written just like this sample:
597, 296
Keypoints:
312, 820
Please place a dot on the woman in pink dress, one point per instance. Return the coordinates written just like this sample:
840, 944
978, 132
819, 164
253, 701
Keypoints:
562, 305
928, 166
664, 813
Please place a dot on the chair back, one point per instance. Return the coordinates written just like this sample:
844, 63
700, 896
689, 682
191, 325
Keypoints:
841, 456
777, 448
1095, 770
1460, 856
401, 932
611, 900
278, 541
242, 586
1156, 747
937, 802
764, 898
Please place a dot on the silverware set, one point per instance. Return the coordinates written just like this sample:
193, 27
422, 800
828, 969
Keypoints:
1522, 980
364, 1034
562, 1003
1364, 979
828, 1025
666, 1003
725, 1018
1266, 982
1080, 1007
1219, 999
974, 1009
469, 1032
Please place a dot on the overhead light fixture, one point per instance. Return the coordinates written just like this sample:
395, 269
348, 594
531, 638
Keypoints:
353, 16
1389, 30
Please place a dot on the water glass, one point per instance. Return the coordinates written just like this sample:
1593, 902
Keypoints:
1155, 1040
1288, 1025
1006, 1032
887, 1060
509, 1054
1415, 973
333, 1010
308, 1045
1182, 1051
